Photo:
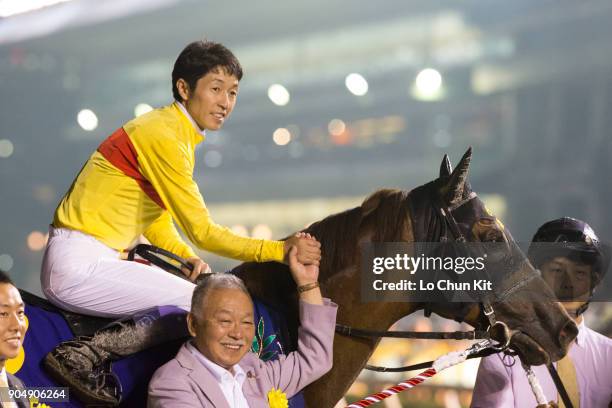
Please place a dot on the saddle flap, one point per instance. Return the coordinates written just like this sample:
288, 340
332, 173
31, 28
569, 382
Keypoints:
80, 324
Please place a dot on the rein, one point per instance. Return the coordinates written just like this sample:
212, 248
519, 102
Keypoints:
433, 335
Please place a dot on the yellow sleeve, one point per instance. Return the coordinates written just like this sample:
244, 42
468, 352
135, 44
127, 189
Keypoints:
164, 161
163, 233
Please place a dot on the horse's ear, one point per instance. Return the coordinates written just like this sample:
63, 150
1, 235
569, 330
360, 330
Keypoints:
445, 167
453, 190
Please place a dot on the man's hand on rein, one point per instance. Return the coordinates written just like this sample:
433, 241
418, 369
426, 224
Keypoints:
199, 267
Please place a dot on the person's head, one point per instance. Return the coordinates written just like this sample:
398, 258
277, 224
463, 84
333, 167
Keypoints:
12, 318
205, 80
570, 258
222, 319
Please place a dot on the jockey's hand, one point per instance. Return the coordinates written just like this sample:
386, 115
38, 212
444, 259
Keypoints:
199, 267
308, 248
302, 274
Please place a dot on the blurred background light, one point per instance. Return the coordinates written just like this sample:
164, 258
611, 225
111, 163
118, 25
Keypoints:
428, 85
296, 149
262, 231
281, 136
336, 127
213, 158
87, 119
279, 95
6, 148
36, 241
6, 262
356, 84
13, 7
142, 108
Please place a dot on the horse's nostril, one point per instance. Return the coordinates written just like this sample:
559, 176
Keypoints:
568, 333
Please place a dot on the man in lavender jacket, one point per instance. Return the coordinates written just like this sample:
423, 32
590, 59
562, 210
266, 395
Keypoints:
573, 264
216, 369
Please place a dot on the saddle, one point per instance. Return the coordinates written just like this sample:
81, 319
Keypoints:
80, 324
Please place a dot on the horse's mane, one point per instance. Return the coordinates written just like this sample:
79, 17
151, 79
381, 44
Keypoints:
385, 212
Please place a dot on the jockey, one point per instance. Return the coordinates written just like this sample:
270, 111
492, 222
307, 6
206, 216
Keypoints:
572, 262
140, 182
571, 242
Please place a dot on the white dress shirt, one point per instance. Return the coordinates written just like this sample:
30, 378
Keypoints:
231, 385
7, 401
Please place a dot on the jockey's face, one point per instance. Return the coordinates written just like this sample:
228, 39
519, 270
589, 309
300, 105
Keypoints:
224, 327
212, 100
12, 321
571, 281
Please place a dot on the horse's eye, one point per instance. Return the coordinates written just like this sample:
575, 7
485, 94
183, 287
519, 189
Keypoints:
487, 221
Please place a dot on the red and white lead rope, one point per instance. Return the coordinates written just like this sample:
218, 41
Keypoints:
442, 363
536, 388
374, 398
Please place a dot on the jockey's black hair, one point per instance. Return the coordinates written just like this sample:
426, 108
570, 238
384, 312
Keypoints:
198, 59
5, 278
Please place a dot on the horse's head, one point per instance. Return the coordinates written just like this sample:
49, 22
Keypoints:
448, 210
445, 208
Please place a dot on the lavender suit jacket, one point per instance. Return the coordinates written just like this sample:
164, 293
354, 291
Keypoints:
184, 382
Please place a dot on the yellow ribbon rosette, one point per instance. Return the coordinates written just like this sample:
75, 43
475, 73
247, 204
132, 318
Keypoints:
35, 404
277, 399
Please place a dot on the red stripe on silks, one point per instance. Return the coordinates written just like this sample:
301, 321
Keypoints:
397, 388
120, 152
380, 395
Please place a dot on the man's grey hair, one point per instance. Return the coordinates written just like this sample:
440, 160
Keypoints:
212, 282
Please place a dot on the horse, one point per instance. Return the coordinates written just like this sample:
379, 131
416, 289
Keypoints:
544, 330
441, 209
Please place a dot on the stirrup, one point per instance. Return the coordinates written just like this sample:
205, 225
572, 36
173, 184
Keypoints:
103, 376
86, 386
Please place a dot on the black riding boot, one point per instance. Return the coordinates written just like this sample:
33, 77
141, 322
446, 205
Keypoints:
83, 364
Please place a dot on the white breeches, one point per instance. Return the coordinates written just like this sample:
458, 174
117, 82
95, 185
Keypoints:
81, 274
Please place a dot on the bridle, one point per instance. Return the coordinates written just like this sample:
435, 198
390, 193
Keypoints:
446, 229
450, 231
